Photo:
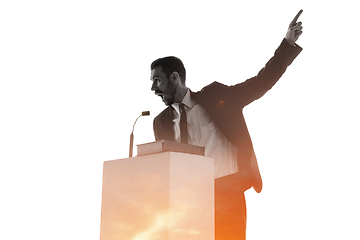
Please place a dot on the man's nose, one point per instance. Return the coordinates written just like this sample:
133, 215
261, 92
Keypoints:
153, 86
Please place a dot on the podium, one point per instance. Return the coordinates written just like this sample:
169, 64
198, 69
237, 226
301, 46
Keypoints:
162, 196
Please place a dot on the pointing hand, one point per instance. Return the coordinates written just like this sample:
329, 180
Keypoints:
295, 29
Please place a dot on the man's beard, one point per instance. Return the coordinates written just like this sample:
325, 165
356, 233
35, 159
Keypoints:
169, 96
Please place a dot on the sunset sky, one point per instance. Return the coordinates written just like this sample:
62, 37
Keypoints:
74, 76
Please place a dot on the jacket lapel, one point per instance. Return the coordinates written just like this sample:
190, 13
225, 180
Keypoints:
164, 126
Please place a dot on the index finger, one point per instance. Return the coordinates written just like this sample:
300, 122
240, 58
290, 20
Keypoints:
296, 17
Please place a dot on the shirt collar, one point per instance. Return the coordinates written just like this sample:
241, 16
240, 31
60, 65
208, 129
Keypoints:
187, 101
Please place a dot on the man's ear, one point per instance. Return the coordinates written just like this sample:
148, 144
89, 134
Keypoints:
175, 77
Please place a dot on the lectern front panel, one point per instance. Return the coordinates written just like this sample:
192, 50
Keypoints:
160, 196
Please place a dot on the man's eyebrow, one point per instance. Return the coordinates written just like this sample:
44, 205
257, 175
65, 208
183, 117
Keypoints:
152, 77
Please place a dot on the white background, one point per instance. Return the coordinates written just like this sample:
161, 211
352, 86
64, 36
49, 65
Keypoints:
76, 74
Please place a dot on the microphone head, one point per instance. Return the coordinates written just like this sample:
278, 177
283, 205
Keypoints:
145, 113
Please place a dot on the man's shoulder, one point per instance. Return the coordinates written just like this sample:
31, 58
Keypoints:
211, 94
163, 114
212, 87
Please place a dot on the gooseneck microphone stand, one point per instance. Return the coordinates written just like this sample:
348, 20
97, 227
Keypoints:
145, 113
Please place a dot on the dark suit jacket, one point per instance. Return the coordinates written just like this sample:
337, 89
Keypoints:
225, 106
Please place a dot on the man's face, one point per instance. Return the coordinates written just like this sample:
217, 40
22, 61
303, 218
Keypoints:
162, 86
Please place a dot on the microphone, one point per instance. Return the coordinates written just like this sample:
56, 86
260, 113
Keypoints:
144, 113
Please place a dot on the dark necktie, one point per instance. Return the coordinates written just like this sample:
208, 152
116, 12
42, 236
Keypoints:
183, 124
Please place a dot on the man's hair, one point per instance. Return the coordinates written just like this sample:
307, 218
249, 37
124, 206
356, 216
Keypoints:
169, 65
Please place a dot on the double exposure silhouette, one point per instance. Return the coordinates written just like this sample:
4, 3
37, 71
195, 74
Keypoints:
215, 120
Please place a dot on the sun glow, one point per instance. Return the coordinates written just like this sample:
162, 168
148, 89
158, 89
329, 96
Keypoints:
160, 223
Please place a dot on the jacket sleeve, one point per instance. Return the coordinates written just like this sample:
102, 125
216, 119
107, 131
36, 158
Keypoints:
255, 87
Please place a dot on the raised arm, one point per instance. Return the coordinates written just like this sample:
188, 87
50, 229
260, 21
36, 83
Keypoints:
257, 86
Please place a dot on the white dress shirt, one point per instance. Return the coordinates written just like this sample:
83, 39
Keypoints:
204, 133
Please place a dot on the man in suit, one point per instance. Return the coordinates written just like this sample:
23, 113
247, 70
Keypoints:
213, 118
